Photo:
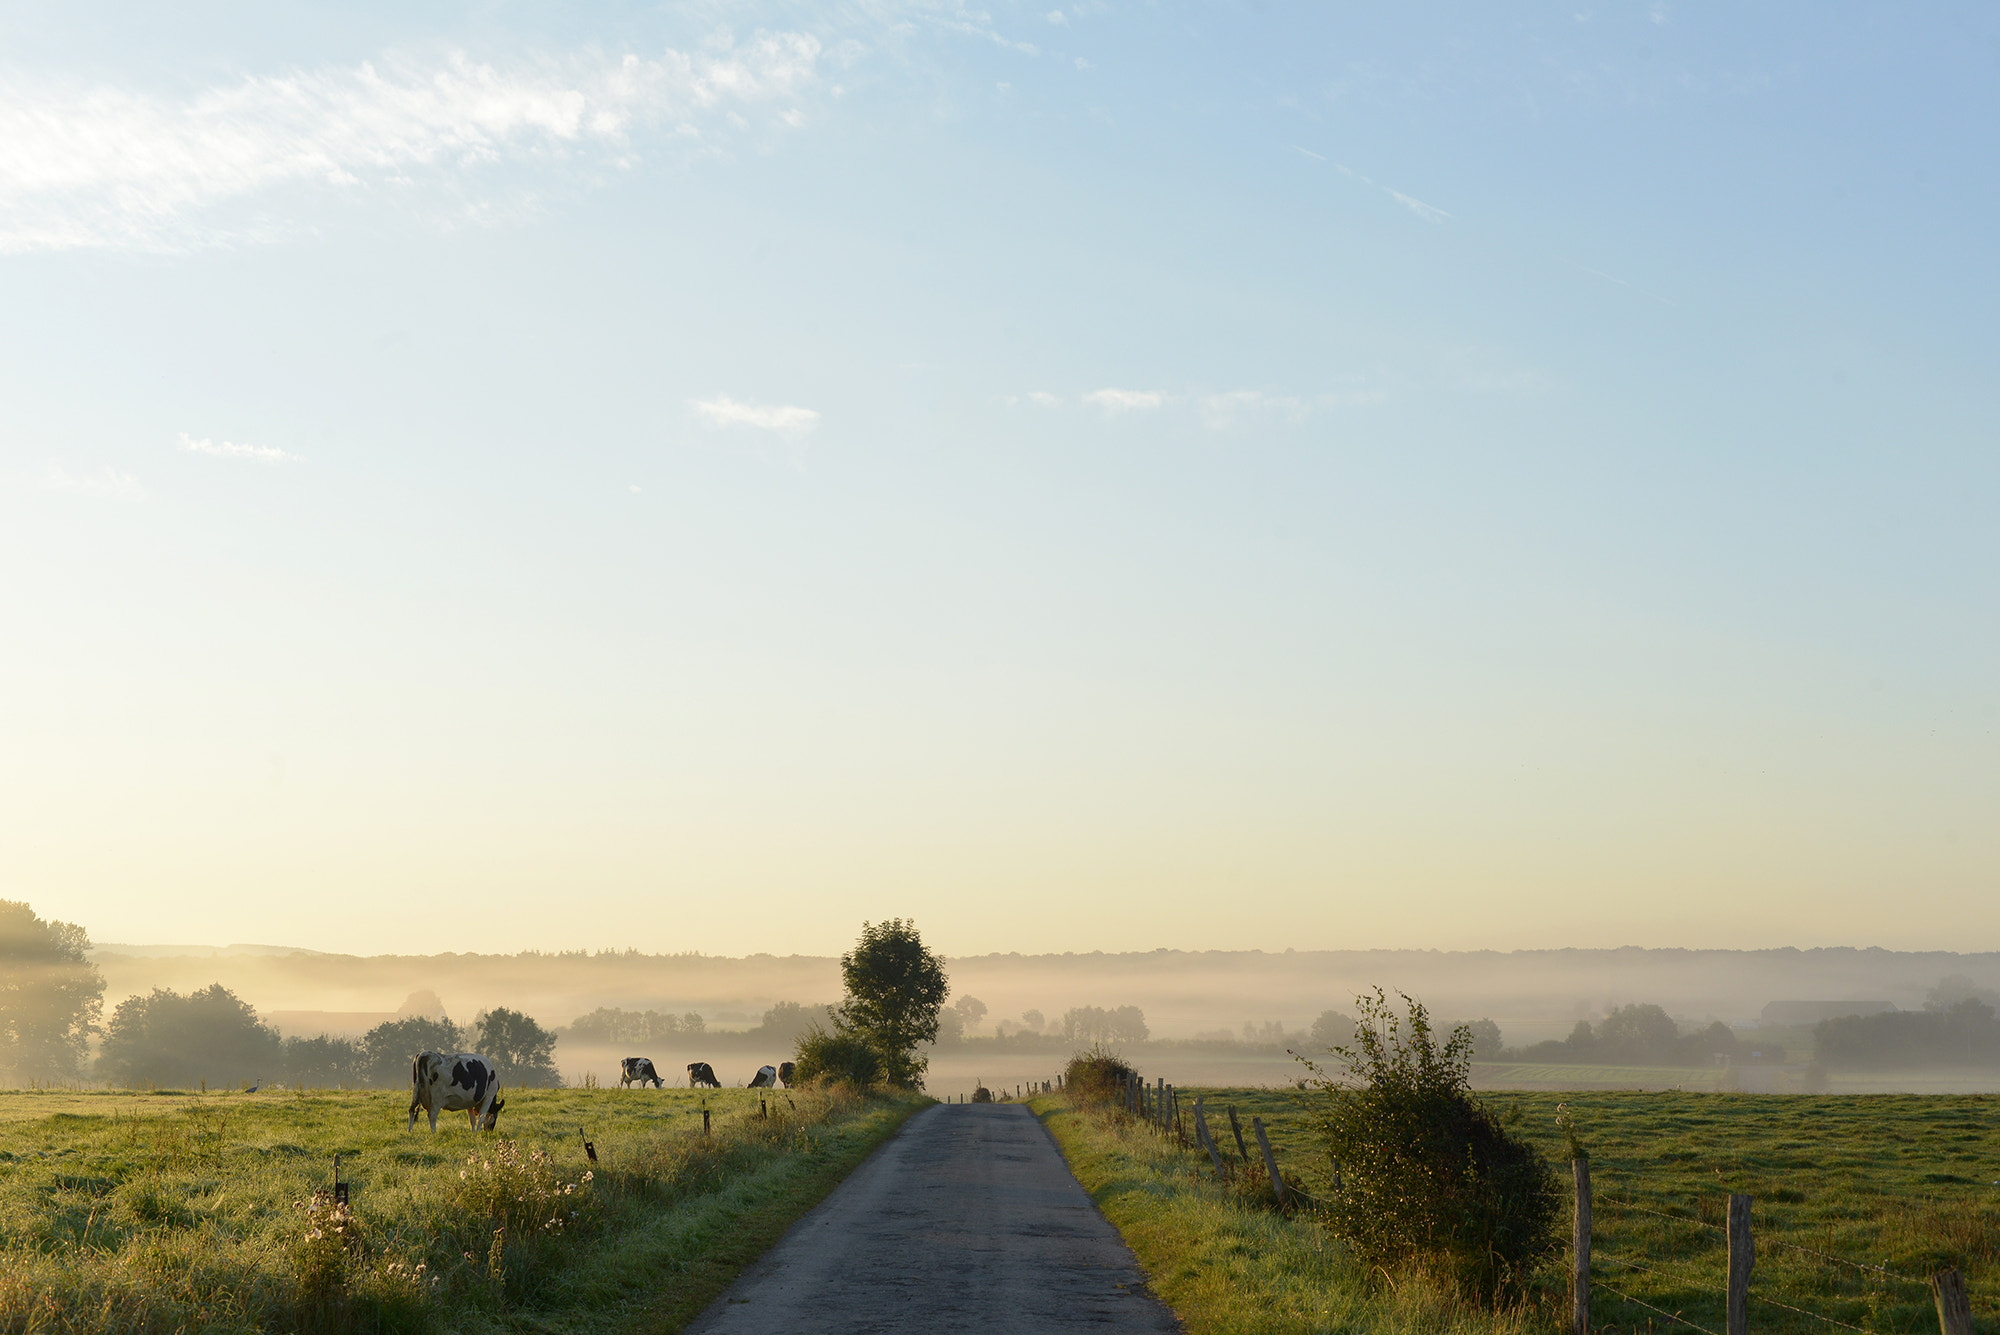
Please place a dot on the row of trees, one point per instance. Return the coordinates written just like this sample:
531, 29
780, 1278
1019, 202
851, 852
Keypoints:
611, 1024
1091, 1025
1965, 1033
214, 1036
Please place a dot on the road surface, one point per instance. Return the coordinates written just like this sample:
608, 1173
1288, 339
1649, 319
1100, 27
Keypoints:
967, 1216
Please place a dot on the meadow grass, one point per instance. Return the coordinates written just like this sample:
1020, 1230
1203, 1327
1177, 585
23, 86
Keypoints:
1907, 1184
1229, 1266
172, 1211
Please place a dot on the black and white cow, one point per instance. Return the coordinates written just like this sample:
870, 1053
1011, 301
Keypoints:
638, 1070
785, 1074
701, 1073
766, 1077
465, 1083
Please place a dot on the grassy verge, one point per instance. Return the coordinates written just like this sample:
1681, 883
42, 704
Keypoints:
178, 1212
1226, 1264
1856, 1198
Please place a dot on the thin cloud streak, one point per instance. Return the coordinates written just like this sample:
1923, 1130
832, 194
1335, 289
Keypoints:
1116, 401
109, 168
230, 450
723, 411
1428, 212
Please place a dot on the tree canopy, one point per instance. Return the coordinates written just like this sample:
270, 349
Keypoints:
525, 1051
895, 989
50, 995
388, 1049
211, 1036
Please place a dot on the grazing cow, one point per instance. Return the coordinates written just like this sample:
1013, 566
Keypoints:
639, 1070
701, 1073
785, 1074
465, 1083
766, 1077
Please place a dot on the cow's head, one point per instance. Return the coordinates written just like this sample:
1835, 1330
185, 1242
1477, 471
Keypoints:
493, 1114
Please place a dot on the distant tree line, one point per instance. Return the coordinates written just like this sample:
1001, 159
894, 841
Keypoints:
611, 1024
1645, 1035
1095, 1024
212, 1036
1958, 1027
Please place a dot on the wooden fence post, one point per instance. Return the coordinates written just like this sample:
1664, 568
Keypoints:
1237, 1128
1207, 1141
1954, 1306
1742, 1256
1579, 1302
1270, 1160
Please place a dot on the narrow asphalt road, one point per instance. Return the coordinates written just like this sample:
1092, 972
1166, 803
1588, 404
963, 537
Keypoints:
967, 1217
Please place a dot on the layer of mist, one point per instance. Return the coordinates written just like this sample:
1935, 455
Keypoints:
1208, 1017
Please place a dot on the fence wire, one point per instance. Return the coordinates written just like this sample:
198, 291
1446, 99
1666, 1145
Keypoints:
1663, 1274
1773, 1302
1842, 1260
1671, 1316
1646, 1209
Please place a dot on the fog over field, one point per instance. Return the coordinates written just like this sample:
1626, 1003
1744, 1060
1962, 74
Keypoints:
1214, 995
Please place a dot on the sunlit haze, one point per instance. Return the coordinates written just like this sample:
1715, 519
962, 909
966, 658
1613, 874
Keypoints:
1088, 477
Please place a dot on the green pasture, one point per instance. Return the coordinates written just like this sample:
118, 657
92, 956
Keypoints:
175, 1211
1856, 1197
1532, 1075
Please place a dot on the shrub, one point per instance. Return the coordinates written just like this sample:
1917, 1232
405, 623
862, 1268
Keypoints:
823, 1057
1096, 1075
1428, 1178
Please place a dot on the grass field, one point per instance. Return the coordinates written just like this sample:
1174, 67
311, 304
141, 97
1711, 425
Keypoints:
185, 1212
1227, 1266
1906, 1184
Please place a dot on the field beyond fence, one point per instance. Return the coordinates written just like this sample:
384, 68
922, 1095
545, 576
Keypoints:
1856, 1201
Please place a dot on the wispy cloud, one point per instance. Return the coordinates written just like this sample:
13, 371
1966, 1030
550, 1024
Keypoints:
1222, 409
724, 411
110, 167
229, 450
1428, 212
1116, 401
106, 482
980, 25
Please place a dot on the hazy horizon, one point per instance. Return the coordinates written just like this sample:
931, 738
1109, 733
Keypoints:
1077, 476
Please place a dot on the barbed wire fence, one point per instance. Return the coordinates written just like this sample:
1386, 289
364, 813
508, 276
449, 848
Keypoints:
1158, 1105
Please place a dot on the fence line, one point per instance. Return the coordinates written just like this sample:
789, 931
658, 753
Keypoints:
1158, 1105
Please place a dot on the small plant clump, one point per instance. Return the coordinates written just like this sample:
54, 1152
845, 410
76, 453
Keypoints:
329, 1247
524, 1191
1096, 1075
1427, 1176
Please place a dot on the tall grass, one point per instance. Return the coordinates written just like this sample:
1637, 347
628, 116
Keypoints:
1228, 1264
174, 1212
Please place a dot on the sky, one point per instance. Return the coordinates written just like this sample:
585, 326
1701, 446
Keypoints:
493, 476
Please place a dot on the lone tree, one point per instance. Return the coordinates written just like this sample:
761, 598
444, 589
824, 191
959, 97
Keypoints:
895, 989
50, 995
526, 1051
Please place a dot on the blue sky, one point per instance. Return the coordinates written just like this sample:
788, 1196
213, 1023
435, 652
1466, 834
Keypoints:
1094, 477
